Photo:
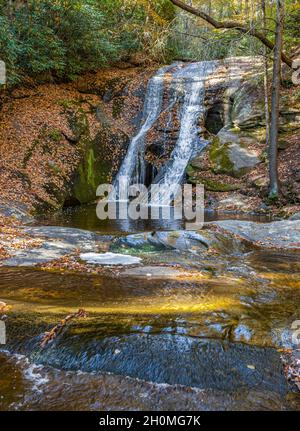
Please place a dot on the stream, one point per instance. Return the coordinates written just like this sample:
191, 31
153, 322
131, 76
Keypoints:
193, 322
207, 340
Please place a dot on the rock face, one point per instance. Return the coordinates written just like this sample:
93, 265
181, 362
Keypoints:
229, 154
238, 143
58, 142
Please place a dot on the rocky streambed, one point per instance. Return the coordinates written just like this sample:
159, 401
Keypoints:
185, 320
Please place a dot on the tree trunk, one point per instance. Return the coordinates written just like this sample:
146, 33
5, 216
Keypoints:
273, 147
266, 76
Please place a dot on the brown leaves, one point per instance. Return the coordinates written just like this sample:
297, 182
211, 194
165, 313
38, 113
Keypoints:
54, 332
291, 366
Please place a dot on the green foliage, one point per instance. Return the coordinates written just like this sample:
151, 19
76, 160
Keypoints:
62, 38
9, 49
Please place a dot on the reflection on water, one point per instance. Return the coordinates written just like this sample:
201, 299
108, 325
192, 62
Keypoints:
85, 217
214, 331
152, 329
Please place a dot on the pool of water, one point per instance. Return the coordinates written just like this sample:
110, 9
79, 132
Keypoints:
85, 217
201, 342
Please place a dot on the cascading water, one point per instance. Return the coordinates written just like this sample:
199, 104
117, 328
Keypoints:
132, 169
188, 88
192, 78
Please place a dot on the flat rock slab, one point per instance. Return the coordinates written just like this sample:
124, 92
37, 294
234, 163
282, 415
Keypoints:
155, 272
46, 253
283, 234
110, 259
72, 236
58, 242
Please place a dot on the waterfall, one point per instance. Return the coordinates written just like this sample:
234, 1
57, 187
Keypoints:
187, 88
132, 169
192, 115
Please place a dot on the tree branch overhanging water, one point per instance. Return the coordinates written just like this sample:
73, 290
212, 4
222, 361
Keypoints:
231, 25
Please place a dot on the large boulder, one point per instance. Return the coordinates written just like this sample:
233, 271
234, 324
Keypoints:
283, 234
229, 153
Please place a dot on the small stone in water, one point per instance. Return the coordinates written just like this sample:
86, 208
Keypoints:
251, 367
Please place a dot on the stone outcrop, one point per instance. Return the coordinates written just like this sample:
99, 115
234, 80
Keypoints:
60, 141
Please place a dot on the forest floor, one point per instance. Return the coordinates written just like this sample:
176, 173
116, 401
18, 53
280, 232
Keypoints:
36, 142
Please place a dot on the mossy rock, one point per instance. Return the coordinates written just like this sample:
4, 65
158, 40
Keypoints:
214, 186
219, 157
98, 163
229, 154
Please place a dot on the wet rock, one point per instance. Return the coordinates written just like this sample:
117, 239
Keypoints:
283, 234
156, 272
179, 240
179, 360
114, 392
109, 259
175, 240
134, 241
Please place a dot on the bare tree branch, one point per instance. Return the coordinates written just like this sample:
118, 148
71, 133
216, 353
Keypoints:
231, 25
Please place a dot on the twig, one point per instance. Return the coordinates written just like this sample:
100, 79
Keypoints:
54, 332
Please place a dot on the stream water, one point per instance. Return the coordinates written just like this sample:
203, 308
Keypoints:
206, 341
184, 331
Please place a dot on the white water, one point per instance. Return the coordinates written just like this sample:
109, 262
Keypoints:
187, 87
132, 169
190, 140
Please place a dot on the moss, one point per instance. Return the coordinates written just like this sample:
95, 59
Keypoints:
85, 184
218, 154
66, 103
54, 135
212, 185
